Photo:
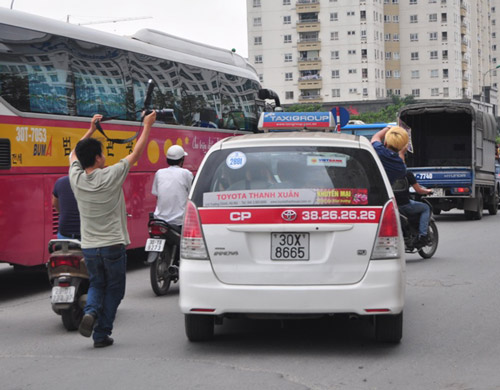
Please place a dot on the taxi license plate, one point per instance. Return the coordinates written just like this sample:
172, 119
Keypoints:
290, 246
154, 245
63, 294
437, 193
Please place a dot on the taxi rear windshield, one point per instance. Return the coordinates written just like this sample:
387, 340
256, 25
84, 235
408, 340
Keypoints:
290, 176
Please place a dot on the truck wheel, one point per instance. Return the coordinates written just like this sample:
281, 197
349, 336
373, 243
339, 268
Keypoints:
478, 213
493, 206
199, 327
389, 328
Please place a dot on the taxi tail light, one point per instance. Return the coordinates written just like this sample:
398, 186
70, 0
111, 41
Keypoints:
68, 261
192, 241
387, 240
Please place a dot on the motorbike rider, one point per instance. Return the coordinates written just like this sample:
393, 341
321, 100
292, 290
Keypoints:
387, 143
63, 200
171, 186
408, 206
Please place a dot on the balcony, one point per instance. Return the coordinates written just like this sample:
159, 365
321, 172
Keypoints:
309, 44
307, 83
308, 26
307, 6
316, 98
309, 64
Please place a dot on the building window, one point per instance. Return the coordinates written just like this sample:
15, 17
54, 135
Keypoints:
335, 74
336, 92
286, 2
414, 37
445, 73
257, 21
261, 78
413, 19
397, 92
444, 18
289, 76
351, 32
334, 16
289, 95
444, 54
434, 55
287, 19
334, 35
353, 91
434, 91
364, 73
395, 18
334, 55
388, 74
415, 74
288, 57
387, 37
397, 74
395, 55
387, 18
350, 13
256, 3
287, 38
388, 55
364, 54
353, 71
434, 73
433, 36
258, 59
351, 52
446, 92
365, 92
413, 2
395, 37
362, 15
414, 56
363, 35
257, 41
433, 17
444, 36
415, 92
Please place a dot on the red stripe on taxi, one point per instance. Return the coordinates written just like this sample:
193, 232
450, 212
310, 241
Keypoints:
214, 216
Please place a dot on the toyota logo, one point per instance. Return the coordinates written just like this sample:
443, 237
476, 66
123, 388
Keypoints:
289, 215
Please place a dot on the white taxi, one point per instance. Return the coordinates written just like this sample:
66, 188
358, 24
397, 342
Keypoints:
292, 223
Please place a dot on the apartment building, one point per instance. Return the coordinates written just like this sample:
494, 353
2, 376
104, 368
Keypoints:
331, 51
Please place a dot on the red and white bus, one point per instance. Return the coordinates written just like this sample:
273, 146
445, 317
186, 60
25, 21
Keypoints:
54, 76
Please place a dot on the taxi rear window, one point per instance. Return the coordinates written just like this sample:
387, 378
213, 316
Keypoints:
290, 176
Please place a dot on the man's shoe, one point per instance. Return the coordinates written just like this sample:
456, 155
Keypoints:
87, 325
421, 242
104, 342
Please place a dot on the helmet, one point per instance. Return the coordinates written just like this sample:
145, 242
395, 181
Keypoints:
176, 152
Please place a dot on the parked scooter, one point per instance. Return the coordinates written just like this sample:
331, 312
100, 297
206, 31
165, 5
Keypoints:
164, 253
70, 280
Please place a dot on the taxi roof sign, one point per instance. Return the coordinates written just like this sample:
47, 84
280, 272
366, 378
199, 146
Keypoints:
289, 121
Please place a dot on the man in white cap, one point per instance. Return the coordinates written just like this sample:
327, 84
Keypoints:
171, 187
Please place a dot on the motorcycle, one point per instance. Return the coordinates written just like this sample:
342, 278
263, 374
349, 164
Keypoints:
409, 225
69, 279
163, 249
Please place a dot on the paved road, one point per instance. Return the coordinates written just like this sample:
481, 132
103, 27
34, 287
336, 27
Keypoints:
451, 335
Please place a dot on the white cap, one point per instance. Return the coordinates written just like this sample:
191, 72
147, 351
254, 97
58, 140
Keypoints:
175, 152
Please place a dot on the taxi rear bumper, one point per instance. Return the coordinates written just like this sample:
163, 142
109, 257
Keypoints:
381, 291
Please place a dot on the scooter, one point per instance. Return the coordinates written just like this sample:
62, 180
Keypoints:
163, 249
409, 225
69, 279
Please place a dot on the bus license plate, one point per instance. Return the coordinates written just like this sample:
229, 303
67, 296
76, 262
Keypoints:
290, 246
154, 245
63, 294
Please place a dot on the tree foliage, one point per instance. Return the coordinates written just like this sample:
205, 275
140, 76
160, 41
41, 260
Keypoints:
388, 113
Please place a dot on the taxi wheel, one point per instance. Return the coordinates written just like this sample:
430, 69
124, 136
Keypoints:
199, 327
389, 328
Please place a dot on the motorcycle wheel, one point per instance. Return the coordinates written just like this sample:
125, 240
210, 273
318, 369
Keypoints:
160, 278
428, 251
72, 317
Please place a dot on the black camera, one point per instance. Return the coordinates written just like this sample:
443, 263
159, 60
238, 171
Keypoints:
165, 115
